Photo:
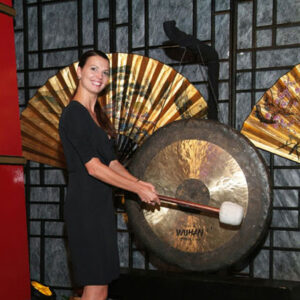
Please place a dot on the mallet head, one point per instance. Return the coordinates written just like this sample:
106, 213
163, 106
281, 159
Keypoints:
231, 213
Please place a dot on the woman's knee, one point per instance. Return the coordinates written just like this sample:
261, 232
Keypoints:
95, 292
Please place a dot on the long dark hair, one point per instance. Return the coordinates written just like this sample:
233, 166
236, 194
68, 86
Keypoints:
102, 118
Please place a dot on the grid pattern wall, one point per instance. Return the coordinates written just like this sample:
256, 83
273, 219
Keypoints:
257, 41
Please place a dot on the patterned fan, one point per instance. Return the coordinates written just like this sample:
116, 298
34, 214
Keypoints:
273, 124
143, 94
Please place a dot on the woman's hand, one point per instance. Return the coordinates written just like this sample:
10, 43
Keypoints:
147, 193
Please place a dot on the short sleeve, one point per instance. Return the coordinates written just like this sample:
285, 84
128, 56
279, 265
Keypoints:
108, 150
75, 125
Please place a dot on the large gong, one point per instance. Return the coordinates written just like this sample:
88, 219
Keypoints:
207, 163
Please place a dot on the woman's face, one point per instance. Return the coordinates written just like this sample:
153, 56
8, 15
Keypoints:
94, 75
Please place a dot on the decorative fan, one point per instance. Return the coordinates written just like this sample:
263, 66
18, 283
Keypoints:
273, 124
143, 95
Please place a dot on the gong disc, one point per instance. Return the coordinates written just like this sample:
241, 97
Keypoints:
208, 163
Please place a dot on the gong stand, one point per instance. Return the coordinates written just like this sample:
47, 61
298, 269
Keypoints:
207, 55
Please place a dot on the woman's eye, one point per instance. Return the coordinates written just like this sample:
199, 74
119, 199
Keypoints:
106, 73
93, 68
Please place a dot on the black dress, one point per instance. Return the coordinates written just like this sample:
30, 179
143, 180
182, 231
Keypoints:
89, 212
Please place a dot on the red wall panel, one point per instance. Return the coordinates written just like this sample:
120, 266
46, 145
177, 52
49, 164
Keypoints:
10, 136
14, 263
14, 267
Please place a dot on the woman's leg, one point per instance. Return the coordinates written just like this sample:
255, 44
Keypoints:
95, 292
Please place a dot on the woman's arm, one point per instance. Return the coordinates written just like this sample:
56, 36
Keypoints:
120, 177
120, 169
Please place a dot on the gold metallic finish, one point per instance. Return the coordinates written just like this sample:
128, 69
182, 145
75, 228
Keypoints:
201, 172
273, 124
12, 160
44, 290
143, 94
8, 10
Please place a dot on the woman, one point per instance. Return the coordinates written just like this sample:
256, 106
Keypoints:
86, 134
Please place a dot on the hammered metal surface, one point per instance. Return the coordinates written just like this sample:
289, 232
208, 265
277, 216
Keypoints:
201, 172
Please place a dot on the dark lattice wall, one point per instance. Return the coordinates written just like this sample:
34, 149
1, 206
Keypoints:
257, 41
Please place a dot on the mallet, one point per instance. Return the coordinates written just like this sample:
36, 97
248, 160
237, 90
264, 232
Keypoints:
229, 213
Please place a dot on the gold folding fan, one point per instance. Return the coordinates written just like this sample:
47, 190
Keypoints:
273, 124
143, 94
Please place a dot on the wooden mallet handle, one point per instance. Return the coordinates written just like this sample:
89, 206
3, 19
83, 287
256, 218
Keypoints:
189, 204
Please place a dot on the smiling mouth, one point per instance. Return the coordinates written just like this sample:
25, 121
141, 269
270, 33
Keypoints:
96, 83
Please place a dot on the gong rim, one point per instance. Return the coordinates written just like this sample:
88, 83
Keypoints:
258, 211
